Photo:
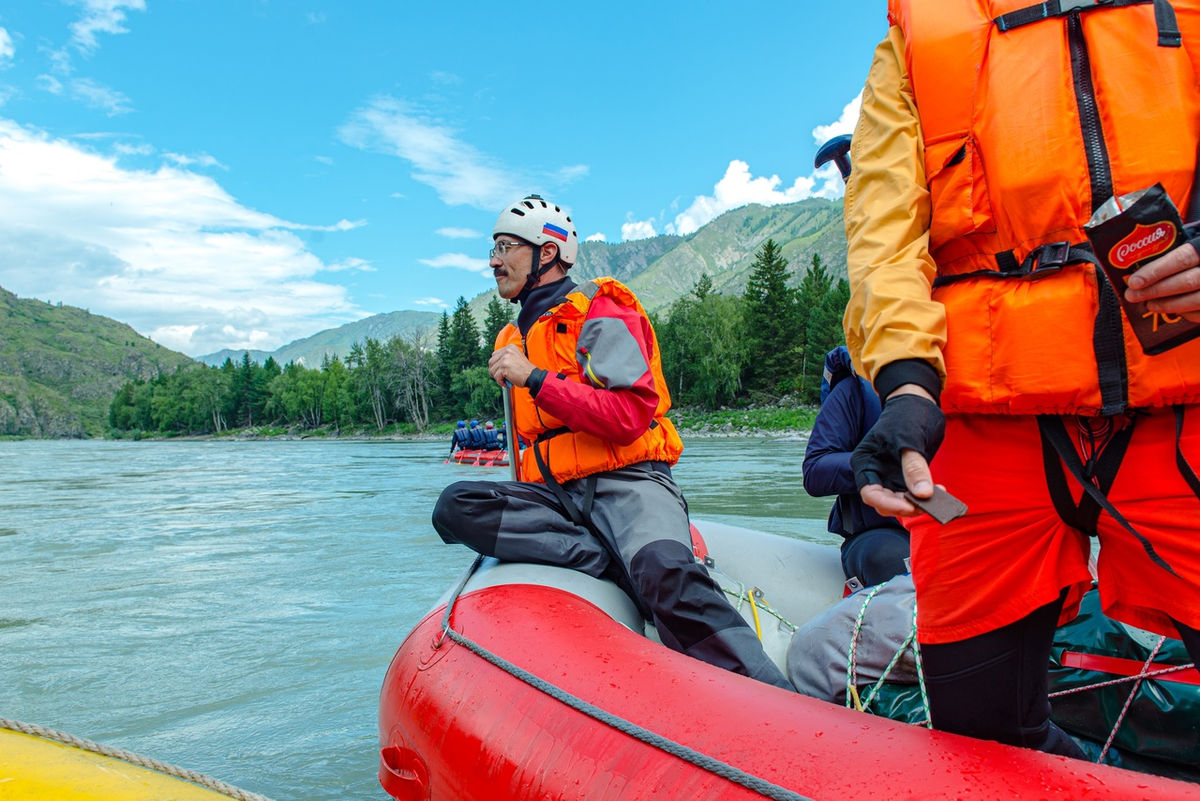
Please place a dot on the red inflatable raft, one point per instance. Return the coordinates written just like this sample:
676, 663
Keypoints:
545, 685
480, 458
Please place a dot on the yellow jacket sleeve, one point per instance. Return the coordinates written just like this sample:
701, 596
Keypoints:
891, 315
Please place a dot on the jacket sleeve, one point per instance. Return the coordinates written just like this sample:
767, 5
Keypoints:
826, 469
617, 397
891, 317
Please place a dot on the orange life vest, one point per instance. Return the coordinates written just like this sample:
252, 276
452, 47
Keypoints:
1027, 128
550, 344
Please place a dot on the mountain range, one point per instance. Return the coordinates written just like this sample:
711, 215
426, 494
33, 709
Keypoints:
60, 366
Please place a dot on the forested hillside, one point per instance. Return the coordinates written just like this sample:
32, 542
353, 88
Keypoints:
60, 367
762, 346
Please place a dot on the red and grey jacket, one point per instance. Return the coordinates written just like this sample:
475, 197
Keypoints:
602, 401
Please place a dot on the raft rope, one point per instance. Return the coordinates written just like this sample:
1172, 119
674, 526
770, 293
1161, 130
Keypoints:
853, 700
678, 750
134, 759
758, 604
1145, 673
852, 696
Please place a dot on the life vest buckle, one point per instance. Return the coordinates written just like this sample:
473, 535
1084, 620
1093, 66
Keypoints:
1067, 6
1048, 259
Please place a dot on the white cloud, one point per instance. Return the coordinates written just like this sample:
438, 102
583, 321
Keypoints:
352, 263
101, 16
738, 187
140, 149
430, 302
459, 233
99, 96
459, 261
168, 251
6, 47
844, 125
201, 159
643, 229
459, 172
51, 84
596, 237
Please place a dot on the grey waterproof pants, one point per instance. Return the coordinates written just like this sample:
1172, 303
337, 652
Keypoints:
641, 515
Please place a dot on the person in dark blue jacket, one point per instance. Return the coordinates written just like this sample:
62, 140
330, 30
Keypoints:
459, 440
475, 438
491, 441
875, 547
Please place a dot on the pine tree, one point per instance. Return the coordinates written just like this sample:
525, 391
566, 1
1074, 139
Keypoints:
811, 325
772, 330
499, 314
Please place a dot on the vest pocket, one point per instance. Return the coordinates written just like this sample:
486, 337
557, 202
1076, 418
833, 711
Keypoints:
958, 188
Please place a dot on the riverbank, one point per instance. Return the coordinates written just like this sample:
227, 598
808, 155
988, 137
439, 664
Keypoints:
772, 422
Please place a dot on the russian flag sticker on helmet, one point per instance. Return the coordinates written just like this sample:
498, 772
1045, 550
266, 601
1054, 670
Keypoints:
553, 230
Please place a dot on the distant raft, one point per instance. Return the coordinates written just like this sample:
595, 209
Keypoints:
50, 765
477, 457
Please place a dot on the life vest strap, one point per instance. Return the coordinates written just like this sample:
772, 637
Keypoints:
1164, 15
1041, 262
1056, 441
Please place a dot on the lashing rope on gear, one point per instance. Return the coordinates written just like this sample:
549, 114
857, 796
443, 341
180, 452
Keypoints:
192, 776
678, 750
1142, 675
853, 700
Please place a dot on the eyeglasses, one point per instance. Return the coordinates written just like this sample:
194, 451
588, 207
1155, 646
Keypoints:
503, 247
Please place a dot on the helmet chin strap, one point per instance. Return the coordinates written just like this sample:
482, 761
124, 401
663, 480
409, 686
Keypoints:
535, 272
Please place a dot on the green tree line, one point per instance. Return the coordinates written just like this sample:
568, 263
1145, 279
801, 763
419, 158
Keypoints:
716, 350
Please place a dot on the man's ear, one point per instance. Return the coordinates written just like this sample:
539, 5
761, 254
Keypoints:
549, 253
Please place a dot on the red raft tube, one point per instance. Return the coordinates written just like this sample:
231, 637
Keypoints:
480, 458
543, 683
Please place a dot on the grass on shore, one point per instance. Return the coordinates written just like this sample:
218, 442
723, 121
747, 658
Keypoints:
771, 420
748, 422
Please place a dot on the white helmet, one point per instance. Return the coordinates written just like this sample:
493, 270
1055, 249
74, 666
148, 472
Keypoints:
537, 221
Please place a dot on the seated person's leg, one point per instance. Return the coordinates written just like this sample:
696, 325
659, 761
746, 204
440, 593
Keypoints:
875, 555
647, 521
516, 522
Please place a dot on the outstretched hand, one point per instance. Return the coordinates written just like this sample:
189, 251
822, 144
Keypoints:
1169, 284
894, 455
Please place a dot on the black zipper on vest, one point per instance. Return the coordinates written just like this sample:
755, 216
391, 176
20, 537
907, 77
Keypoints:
1108, 336
1099, 170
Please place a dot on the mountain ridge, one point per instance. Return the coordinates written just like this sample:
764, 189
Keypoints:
60, 366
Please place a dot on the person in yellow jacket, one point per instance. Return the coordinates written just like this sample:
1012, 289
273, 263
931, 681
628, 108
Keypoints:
596, 492
989, 134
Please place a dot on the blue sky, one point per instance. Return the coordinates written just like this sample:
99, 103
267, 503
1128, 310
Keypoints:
243, 173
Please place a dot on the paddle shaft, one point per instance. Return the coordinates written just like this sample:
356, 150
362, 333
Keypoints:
510, 433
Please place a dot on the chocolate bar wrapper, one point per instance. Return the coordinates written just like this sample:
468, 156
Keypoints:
1127, 232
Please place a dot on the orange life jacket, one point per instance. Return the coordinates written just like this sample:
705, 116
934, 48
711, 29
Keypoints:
550, 344
1028, 128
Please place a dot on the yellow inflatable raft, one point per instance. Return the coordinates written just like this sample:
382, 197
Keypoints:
37, 768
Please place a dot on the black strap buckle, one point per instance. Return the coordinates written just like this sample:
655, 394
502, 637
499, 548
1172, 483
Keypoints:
1048, 259
1067, 6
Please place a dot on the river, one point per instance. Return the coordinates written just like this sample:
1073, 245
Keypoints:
231, 606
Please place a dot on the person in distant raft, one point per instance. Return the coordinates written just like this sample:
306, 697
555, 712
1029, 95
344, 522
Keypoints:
596, 492
460, 438
874, 547
989, 134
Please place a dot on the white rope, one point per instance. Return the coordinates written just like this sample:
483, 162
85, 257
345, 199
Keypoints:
134, 759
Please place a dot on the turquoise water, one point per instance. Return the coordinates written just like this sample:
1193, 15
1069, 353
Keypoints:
231, 607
